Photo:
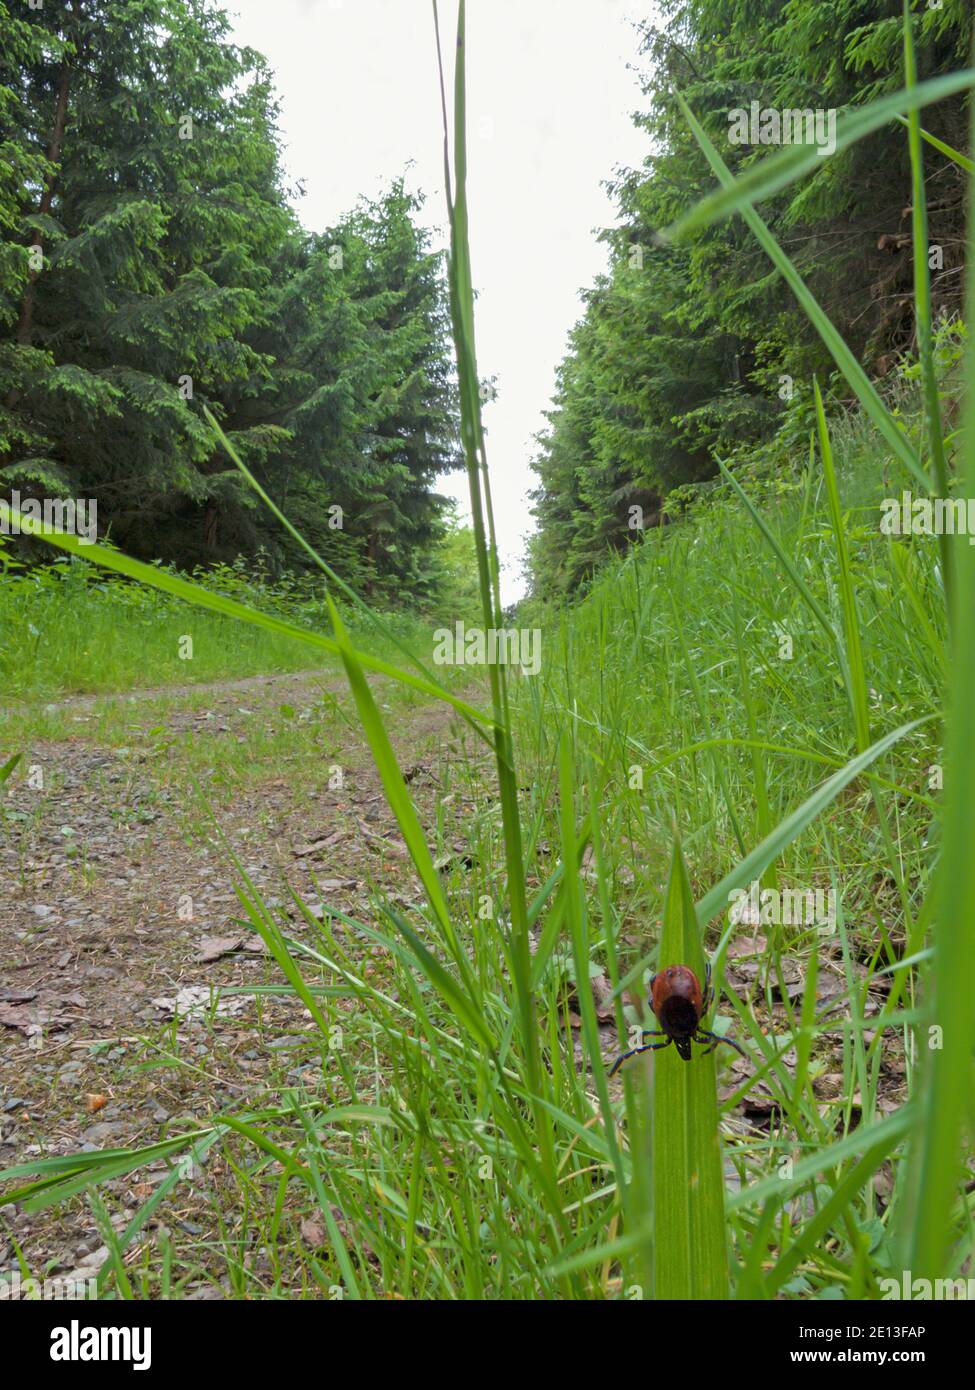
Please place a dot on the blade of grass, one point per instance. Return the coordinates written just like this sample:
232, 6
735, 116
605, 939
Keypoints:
854, 668
865, 1137
922, 294
472, 437
764, 821
946, 1086
778, 171
580, 949
960, 159
853, 664
690, 1255
397, 796
327, 570
840, 352
9, 766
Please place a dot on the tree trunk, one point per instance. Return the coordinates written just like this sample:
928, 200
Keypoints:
211, 524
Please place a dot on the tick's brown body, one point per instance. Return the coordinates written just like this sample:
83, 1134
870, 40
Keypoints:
678, 1004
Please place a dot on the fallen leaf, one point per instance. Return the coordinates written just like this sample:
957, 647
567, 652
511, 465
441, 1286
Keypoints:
313, 1232
602, 994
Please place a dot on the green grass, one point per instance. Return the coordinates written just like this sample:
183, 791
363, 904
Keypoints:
70, 629
73, 631
758, 693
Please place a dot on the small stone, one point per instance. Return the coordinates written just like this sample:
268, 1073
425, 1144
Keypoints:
97, 1134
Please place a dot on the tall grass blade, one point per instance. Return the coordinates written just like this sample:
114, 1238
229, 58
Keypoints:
472, 437
778, 171
388, 632
853, 665
922, 293
946, 1123
840, 352
690, 1256
944, 148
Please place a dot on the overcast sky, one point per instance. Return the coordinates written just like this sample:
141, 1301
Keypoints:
550, 97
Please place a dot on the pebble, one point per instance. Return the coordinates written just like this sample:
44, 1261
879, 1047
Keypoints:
95, 1134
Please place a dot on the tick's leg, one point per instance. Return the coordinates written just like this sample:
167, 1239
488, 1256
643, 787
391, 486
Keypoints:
703, 1036
653, 1033
648, 1047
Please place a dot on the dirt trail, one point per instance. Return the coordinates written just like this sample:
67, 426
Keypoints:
285, 683
119, 904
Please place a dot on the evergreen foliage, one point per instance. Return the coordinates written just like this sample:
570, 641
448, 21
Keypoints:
691, 350
151, 265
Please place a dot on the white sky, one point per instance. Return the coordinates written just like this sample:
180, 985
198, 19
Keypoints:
549, 104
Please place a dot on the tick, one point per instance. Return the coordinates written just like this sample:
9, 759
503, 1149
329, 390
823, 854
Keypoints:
678, 1004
